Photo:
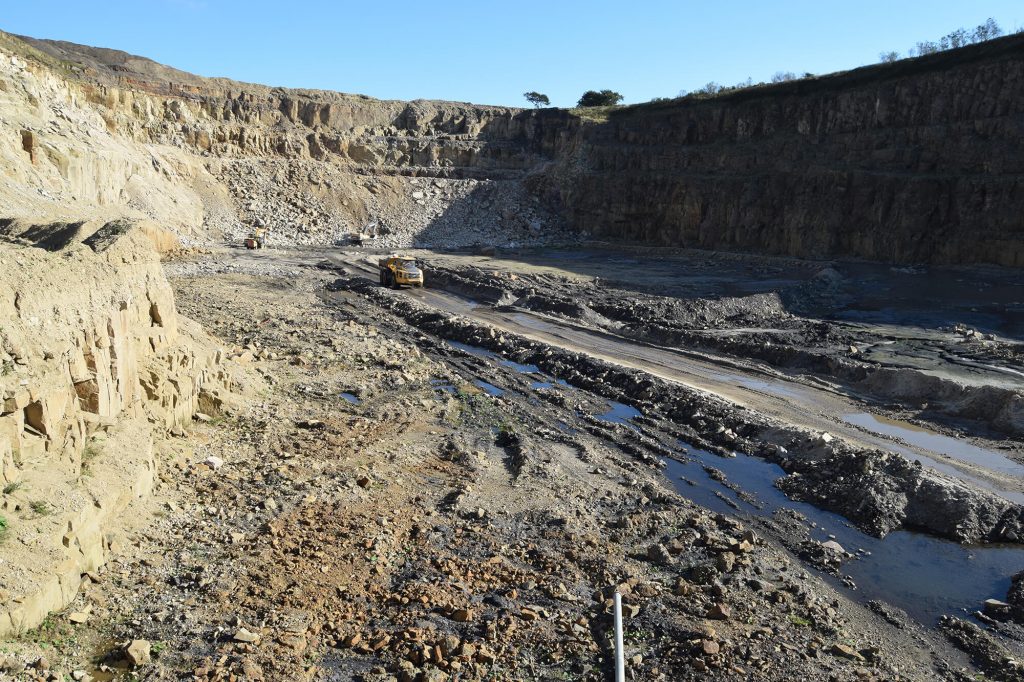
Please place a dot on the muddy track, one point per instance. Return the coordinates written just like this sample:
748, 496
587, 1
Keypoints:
761, 328
801, 400
878, 491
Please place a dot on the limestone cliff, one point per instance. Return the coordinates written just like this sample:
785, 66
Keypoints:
918, 161
94, 363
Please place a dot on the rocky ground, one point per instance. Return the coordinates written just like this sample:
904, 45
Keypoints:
384, 504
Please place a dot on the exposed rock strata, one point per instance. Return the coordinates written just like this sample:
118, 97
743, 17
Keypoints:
95, 364
918, 161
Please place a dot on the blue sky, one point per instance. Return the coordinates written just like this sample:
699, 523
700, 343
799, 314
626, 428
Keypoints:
490, 53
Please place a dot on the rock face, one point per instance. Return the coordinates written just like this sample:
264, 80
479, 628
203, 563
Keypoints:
209, 158
94, 362
918, 161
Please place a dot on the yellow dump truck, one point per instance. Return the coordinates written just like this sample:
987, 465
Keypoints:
257, 239
398, 270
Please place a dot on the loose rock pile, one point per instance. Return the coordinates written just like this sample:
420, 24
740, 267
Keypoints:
445, 213
307, 202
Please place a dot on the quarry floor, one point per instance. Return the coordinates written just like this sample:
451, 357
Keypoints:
385, 503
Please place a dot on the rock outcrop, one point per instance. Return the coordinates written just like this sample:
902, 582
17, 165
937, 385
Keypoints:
94, 364
917, 161
212, 158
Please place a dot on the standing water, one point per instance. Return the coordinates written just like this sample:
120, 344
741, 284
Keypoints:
923, 575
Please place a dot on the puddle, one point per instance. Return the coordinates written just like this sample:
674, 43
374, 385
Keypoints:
489, 389
473, 350
925, 576
484, 353
935, 442
520, 367
550, 383
351, 398
618, 413
442, 385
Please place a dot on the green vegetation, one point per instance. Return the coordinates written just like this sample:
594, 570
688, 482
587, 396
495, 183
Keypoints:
40, 508
12, 487
537, 99
22, 49
596, 114
798, 621
506, 428
53, 632
3, 528
961, 37
958, 38
603, 98
90, 453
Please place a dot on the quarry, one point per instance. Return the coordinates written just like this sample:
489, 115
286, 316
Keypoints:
753, 362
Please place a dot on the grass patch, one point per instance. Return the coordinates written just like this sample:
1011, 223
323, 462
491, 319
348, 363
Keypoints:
595, 114
53, 633
40, 508
507, 428
798, 621
12, 487
89, 454
4, 529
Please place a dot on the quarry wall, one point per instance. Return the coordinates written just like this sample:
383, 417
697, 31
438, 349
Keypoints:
95, 364
915, 162
919, 161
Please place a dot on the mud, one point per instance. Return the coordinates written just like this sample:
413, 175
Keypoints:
959, 365
878, 491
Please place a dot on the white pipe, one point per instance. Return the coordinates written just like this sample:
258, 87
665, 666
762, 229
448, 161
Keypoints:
620, 656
